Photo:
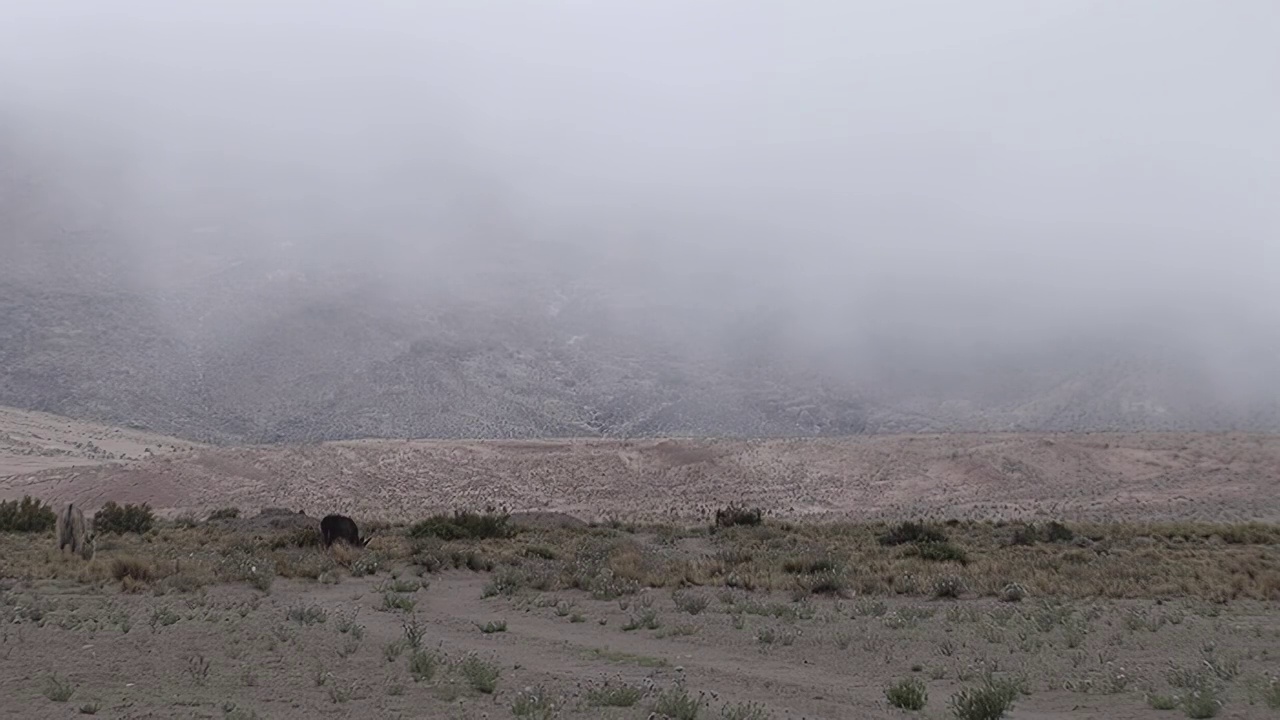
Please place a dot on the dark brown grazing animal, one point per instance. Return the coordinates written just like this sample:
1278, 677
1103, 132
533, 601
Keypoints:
341, 527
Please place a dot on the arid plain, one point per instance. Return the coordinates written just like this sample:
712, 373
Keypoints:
609, 591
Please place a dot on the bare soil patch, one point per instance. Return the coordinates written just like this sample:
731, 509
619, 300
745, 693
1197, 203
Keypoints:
1094, 477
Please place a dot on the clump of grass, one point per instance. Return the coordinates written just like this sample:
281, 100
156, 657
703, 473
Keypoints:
481, 675
132, 568
989, 701
908, 694
689, 601
676, 703
393, 650
948, 587
227, 513
1051, 532
396, 601
1270, 692
744, 711
163, 617
307, 614
911, 532
734, 514
1163, 702
614, 695
938, 552
303, 537
198, 669
58, 690
414, 631
534, 703
423, 664
464, 525
27, 515
90, 708
506, 582
401, 585
113, 518
1013, 592
644, 620
1202, 702
493, 626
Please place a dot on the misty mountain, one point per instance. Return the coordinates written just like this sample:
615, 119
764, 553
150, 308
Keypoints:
266, 349
239, 223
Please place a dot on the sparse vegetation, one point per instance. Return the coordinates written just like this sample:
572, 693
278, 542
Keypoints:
423, 664
307, 614
132, 568
989, 701
534, 702
907, 694
735, 514
614, 695
27, 515
464, 525
113, 518
227, 513
480, 674
58, 690
759, 580
677, 704
911, 532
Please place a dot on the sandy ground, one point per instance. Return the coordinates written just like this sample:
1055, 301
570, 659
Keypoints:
31, 442
232, 648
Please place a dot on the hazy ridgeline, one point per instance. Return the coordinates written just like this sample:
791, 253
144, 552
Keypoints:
269, 222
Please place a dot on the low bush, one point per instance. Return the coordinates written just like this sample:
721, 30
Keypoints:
113, 518
735, 514
27, 515
464, 525
911, 532
908, 694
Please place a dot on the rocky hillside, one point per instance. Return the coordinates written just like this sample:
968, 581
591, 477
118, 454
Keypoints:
224, 327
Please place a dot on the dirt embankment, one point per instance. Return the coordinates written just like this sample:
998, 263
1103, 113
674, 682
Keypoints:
1218, 477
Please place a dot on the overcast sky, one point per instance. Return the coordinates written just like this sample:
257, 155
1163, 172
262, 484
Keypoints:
1032, 162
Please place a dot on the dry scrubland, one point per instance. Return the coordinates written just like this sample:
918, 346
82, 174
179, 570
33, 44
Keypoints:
1156, 596
539, 617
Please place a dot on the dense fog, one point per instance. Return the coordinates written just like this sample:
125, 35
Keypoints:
867, 188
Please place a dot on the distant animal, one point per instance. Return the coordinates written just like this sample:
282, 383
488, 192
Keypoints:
341, 527
72, 531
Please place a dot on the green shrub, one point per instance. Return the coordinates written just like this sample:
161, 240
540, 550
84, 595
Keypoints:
113, 518
614, 696
229, 513
1051, 532
938, 552
1202, 703
302, 537
911, 532
908, 694
948, 587
534, 703
27, 515
464, 525
735, 514
422, 665
481, 675
989, 701
676, 703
